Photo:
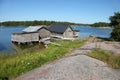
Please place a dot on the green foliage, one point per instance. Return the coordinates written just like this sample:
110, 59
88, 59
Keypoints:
115, 35
32, 23
100, 54
100, 24
112, 60
115, 22
13, 66
36, 22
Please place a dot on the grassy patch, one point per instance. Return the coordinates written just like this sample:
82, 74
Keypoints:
15, 65
110, 59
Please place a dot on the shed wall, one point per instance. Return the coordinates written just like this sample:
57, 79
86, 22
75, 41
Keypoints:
53, 34
43, 33
68, 33
28, 37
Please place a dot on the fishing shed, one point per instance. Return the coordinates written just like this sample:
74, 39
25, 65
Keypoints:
63, 31
31, 34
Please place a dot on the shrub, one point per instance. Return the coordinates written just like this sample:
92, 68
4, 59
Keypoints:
115, 35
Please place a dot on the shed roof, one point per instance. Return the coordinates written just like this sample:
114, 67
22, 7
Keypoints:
59, 28
32, 28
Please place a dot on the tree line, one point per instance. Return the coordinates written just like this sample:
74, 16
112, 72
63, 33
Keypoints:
100, 24
36, 22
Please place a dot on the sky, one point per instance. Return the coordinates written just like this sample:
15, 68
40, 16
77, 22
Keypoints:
77, 11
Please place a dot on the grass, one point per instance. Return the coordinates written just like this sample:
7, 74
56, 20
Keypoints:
15, 65
112, 60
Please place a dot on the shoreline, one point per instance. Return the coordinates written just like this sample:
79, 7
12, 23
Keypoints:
105, 27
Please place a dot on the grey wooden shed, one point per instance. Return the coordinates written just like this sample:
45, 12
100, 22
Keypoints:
63, 31
31, 34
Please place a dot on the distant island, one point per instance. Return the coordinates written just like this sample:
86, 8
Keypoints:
36, 22
100, 24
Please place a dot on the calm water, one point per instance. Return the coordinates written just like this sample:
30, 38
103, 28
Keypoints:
5, 37
7, 46
98, 32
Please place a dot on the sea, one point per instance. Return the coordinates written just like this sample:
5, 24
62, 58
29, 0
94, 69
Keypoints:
6, 46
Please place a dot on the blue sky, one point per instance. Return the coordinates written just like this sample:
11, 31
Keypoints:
78, 11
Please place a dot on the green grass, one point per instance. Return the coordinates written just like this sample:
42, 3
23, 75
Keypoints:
112, 60
15, 65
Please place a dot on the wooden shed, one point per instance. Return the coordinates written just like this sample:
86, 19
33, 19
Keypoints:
25, 37
31, 34
63, 31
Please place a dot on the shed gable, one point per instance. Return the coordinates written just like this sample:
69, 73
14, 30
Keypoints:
68, 33
43, 32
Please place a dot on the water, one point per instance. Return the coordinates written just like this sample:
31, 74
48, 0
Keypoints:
5, 37
7, 46
98, 32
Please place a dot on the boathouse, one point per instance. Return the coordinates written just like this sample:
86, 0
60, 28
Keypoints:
63, 31
31, 34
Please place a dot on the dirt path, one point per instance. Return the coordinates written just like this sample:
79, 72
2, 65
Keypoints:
76, 66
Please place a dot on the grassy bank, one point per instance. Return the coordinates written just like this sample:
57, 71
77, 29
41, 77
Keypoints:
18, 64
112, 60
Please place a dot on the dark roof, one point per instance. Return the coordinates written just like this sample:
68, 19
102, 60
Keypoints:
59, 28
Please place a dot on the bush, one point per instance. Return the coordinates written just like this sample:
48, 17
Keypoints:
115, 35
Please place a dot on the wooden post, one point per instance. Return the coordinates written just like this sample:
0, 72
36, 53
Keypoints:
46, 46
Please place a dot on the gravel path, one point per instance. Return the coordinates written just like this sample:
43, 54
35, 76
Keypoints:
75, 66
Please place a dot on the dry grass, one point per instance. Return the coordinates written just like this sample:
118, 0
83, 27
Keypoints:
112, 60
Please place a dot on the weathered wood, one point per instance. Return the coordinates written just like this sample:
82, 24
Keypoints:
41, 34
44, 33
68, 33
26, 37
44, 39
30, 37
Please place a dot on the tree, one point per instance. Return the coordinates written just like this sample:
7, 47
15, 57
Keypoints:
115, 34
115, 23
100, 24
115, 20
